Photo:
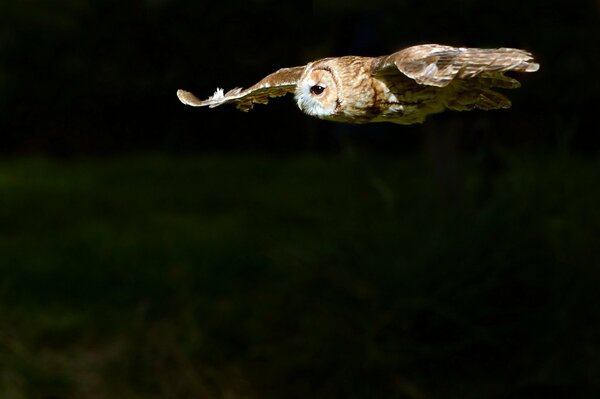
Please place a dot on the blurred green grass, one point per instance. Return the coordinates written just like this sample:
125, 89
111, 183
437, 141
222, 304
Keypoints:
345, 276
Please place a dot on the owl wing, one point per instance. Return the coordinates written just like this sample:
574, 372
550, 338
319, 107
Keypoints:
277, 84
437, 65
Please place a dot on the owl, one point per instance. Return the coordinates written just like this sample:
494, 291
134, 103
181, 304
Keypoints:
404, 87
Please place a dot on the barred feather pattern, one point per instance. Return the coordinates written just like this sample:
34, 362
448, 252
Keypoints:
404, 87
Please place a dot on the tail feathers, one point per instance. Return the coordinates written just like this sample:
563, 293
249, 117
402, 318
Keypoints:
478, 98
489, 99
498, 79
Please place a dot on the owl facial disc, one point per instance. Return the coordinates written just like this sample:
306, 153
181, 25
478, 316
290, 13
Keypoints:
316, 92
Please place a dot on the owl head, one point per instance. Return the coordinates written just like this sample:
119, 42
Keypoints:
317, 91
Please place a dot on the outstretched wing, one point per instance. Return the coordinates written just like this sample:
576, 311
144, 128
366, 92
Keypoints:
277, 84
437, 65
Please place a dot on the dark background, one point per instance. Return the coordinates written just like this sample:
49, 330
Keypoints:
153, 250
95, 77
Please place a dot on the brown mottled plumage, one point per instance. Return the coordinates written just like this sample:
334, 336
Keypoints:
403, 87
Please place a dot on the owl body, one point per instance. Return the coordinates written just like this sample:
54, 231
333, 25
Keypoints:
401, 88
356, 96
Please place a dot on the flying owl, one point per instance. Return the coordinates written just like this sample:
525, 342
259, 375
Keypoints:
403, 87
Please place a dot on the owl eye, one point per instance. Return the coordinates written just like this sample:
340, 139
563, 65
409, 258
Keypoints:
317, 90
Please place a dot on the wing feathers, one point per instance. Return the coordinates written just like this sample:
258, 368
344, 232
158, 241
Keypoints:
216, 99
277, 84
437, 65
